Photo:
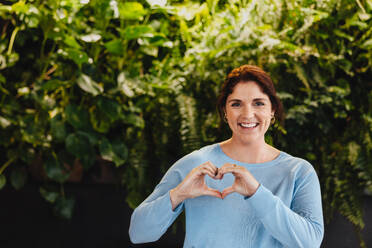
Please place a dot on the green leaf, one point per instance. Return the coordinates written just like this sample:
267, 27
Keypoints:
121, 151
88, 161
2, 79
115, 47
343, 35
106, 150
53, 84
64, 207
77, 117
18, 178
100, 121
131, 11
158, 40
346, 65
32, 132
80, 146
71, 41
89, 85
150, 50
111, 108
20, 7
5, 8
138, 31
11, 60
54, 169
2, 181
4, 123
189, 10
364, 16
93, 137
338, 90
160, 3
301, 74
123, 85
49, 196
116, 152
104, 113
93, 37
134, 120
78, 56
185, 32
367, 44
58, 128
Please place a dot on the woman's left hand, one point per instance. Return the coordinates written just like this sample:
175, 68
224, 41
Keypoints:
244, 184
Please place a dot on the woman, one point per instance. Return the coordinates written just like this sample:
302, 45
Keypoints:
241, 192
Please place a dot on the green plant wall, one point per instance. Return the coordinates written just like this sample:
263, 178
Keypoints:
135, 83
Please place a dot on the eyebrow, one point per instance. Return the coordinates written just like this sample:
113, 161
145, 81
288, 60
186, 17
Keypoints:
256, 99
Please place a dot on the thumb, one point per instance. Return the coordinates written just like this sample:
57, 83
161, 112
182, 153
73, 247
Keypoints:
213, 192
227, 191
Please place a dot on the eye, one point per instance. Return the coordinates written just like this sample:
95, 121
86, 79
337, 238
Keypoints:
259, 103
235, 104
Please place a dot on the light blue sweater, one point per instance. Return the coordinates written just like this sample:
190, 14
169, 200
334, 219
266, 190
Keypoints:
285, 211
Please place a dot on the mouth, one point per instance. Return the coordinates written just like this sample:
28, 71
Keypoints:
248, 125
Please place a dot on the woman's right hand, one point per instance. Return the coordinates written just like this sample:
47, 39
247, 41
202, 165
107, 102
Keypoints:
193, 185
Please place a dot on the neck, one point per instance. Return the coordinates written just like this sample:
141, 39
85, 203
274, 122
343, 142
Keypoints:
254, 152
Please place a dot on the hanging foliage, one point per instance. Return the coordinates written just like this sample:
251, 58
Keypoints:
135, 83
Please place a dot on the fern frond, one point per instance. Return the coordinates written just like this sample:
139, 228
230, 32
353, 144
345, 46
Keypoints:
189, 130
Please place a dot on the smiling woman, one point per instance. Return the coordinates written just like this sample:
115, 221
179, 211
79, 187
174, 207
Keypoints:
248, 112
248, 103
240, 192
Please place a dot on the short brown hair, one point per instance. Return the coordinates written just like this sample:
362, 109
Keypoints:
246, 73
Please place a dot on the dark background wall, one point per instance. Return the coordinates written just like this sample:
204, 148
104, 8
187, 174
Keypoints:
101, 219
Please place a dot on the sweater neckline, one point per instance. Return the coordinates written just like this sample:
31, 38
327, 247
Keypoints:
264, 164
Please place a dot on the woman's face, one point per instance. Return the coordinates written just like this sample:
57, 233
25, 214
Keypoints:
249, 112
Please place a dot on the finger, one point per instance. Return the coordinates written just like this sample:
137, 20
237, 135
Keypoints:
207, 165
220, 170
218, 175
226, 165
213, 168
213, 192
227, 191
231, 168
199, 170
204, 171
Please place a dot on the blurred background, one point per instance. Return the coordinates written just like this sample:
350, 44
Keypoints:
98, 98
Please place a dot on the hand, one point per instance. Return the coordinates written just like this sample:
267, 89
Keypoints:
244, 184
194, 185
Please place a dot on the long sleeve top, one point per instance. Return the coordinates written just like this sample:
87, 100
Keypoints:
285, 211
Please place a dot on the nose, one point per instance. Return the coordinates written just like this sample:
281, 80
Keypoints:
248, 111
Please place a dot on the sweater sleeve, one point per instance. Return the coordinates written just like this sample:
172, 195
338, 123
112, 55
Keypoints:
301, 225
152, 217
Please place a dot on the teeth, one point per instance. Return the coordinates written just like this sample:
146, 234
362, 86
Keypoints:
248, 125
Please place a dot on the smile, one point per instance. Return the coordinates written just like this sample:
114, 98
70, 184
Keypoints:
249, 125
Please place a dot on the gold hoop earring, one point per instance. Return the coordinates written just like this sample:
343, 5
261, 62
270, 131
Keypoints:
225, 118
272, 119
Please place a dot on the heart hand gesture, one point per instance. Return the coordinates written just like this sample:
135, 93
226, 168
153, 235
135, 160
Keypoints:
244, 184
194, 184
